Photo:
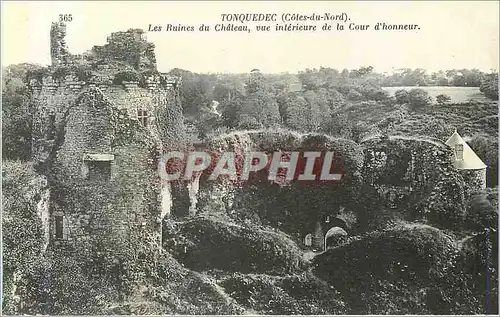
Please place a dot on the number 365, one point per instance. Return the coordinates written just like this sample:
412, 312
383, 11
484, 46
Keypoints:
65, 18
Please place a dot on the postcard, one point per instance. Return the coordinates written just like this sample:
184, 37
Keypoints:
249, 158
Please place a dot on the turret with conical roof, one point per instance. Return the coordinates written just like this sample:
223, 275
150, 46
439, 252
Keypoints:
465, 160
464, 157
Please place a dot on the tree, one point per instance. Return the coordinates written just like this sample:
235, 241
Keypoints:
402, 96
442, 99
208, 121
481, 214
296, 112
489, 86
260, 102
229, 92
16, 111
418, 98
365, 70
22, 228
486, 148
196, 90
354, 95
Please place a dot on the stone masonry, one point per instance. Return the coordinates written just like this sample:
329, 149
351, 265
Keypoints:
98, 143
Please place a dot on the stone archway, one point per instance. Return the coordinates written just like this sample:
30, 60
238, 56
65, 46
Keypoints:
334, 232
333, 221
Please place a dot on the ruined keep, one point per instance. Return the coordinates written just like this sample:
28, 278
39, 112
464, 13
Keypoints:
97, 139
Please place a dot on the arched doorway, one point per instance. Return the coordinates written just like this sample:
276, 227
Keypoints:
332, 221
334, 235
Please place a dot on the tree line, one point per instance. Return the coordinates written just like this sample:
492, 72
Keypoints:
312, 100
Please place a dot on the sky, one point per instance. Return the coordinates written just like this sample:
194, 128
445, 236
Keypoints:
452, 35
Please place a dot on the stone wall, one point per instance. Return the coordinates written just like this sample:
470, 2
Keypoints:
476, 179
85, 124
402, 169
52, 99
130, 47
116, 214
58, 48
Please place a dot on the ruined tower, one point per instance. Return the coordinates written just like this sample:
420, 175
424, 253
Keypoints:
58, 47
97, 139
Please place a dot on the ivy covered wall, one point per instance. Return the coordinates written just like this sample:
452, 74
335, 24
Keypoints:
120, 211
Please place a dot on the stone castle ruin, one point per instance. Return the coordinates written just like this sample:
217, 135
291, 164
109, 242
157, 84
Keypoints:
99, 127
97, 139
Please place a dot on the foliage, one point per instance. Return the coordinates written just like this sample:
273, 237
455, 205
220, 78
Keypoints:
81, 72
442, 99
22, 228
419, 77
170, 122
247, 122
17, 110
298, 294
407, 269
259, 102
210, 243
418, 98
479, 260
126, 76
353, 94
424, 126
196, 91
286, 205
128, 47
486, 148
480, 213
437, 189
489, 86
59, 285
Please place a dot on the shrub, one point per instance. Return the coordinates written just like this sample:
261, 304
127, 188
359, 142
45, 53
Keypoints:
442, 99
60, 73
402, 96
480, 213
81, 72
22, 228
418, 98
298, 294
377, 94
479, 259
353, 94
59, 286
38, 74
210, 243
249, 123
489, 86
405, 270
126, 76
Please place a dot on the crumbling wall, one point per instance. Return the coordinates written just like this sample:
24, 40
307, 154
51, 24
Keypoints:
58, 48
294, 206
83, 111
130, 47
414, 178
476, 179
116, 214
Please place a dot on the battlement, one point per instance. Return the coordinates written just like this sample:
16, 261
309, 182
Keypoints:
128, 46
130, 34
155, 82
96, 128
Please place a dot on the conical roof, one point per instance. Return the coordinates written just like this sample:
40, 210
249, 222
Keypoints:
470, 159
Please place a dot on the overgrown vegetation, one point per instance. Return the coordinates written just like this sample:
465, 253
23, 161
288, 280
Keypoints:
244, 251
411, 269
